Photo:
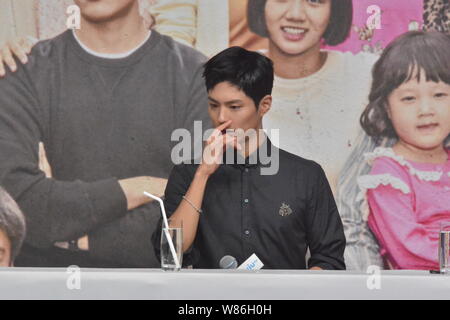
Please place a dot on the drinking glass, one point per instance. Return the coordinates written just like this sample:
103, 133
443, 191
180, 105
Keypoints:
444, 247
172, 250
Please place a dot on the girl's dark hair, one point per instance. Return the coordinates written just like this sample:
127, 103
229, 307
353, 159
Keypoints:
399, 63
337, 31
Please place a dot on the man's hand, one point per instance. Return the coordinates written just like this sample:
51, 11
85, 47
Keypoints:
20, 47
44, 166
134, 188
216, 144
83, 243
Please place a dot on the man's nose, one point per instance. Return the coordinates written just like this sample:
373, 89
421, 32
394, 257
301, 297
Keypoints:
223, 115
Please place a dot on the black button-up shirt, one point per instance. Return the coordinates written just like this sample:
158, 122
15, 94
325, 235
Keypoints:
275, 216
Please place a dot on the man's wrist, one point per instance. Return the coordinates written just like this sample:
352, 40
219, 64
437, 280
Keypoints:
202, 174
126, 192
133, 199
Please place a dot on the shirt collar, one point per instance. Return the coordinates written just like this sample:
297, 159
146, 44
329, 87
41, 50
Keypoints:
253, 160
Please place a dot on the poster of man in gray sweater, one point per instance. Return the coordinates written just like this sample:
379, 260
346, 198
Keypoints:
103, 100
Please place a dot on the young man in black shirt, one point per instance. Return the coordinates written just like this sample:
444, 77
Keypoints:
238, 209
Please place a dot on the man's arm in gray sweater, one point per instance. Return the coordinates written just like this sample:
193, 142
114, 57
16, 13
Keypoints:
55, 210
129, 239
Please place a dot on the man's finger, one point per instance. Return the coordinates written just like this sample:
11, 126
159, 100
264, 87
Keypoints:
215, 147
44, 165
41, 156
224, 125
215, 152
2, 67
8, 59
41, 151
218, 131
19, 53
231, 141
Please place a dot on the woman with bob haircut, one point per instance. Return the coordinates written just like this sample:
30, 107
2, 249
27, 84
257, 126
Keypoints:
316, 91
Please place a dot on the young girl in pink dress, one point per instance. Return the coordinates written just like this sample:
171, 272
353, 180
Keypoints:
408, 188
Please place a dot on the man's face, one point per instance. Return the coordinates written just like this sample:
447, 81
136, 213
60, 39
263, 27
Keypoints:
99, 11
227, 102
5, 250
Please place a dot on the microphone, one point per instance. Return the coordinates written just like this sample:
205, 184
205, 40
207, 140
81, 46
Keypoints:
228, 262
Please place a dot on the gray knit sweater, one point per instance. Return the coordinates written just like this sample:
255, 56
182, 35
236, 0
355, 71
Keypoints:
101, 120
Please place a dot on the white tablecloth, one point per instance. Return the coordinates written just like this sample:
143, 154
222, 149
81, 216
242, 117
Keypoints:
26, 283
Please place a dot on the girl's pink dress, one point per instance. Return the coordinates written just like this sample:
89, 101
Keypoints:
408, 201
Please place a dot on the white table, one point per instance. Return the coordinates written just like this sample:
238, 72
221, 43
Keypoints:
24, 283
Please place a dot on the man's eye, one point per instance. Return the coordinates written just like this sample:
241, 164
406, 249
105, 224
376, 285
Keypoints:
235, 107
213, 106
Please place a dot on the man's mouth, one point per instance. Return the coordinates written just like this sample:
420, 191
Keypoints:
231, 132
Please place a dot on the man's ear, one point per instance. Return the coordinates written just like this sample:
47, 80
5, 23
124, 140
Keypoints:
265, 105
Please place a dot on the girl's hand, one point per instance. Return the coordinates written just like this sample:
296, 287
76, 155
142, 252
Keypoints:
20, 48
216, 144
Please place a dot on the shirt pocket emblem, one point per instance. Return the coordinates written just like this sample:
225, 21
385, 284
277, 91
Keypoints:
285, 210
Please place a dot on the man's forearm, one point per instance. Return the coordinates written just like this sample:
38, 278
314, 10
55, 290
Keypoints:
134, 188
187, 210
62, 211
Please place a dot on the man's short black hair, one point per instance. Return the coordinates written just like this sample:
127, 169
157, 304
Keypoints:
336, 33
249, 71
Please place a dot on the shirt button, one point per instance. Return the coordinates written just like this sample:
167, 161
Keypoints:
246, 170
246, 201
247, 232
